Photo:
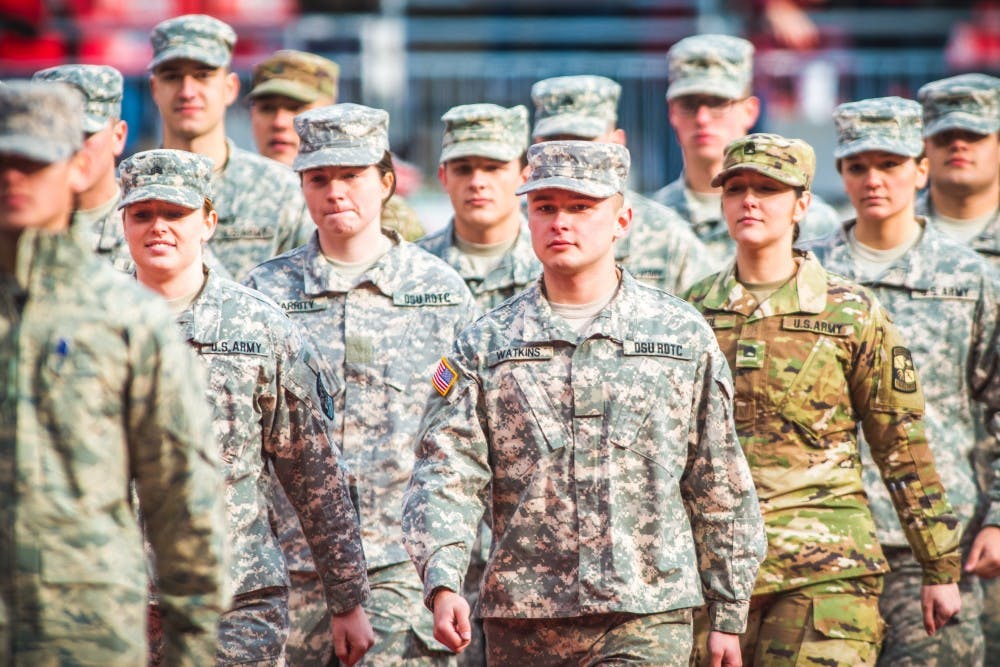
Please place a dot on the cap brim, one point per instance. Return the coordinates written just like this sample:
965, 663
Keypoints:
866, 144
776, 174
488, 149
287, 88
188, 52
572, 125
962, 121
36, 148
93, 123
589, 188
705, 86
169, 193
336, 157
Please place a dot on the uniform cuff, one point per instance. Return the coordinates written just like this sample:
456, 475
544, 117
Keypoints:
944, 570
992, 515
346, 595
729, 617
440, 577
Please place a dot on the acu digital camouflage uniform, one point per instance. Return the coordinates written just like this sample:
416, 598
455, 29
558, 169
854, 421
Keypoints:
721, 66
381, 333
943, 298
259, 201
93, 399
588, 452
270, 404
659, 249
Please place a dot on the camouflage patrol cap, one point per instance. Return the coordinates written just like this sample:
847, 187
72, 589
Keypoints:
198, 37
40, 121
581, 106
301, 76
484, 130
720, 65
164, 174
594, 169
788, 161
965, 102
102, 88
348, 135
890, 124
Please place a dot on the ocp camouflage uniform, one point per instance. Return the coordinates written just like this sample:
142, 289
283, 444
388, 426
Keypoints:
399, 215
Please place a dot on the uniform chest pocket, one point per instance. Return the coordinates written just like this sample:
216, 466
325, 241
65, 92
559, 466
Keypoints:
817, 394
238, 408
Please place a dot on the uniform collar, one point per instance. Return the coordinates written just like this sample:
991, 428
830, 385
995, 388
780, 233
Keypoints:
804, 293
201, 322
387, 275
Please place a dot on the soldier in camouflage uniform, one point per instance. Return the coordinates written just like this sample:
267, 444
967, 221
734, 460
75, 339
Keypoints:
268, 390
710, 104
259, 203
660, 248
592, 414
94, 398
943, 298
962, 142
381, 312
813, 357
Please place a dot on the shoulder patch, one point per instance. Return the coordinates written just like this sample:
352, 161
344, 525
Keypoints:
656, 348
815, 325
525, 353
426, 299
904, 376
444, 377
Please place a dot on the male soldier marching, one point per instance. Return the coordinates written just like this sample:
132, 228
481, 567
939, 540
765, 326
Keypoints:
593, 416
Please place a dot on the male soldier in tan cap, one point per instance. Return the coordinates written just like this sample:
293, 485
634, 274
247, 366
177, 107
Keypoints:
260, 206
710, 104
660, 249
591, 415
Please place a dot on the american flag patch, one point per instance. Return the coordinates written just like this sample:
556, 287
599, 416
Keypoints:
444, 377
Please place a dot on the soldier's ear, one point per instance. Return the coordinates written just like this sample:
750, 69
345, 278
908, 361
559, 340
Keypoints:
801, 206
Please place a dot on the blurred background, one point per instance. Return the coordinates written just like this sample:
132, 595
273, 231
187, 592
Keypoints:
417, 58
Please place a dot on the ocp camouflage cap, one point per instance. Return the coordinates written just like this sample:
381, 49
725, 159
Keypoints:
301, 76
719, 65
484, 130
198, 37
164, 174
349, 135
890, 124
40, 121
594, 169
102, 88
582, 106
965, 102
788, 161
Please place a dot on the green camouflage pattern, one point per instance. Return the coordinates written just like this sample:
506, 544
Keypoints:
987, 243
584, 106
484, 130
261, 211
717, 65
302, 76
272, 402
338, 135
40, 121
588, 452
197, 37
94, 399
102, 87
589, 168
890, 124
163, 174
397, 214
788, 161
965, 102
811, 364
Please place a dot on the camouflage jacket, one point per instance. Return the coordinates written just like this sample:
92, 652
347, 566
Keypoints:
399, 215
596, 450
103, 233
95, 397
943, 298
986, 244
381, 333
261, 211
820, 220
661, 250
811, 364
270, 402
518, 269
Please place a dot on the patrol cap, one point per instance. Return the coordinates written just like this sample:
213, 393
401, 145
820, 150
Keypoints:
101, 86
965, 102
582, 106
301, 76
198, 37
788, 161
40, 121
890, 124
349, 135
720, 65
484, 130
164, 174
594, 169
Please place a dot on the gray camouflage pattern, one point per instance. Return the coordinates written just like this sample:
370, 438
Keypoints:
345, 134
583, 106
594, 449
93, 399
890, 124
964, 102
718, 65
589, 168
484, 130
987, 243
40, 121
102, 87
163, 174
198, 37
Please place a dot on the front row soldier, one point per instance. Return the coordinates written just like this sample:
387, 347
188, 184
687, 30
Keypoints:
813, 357
94, 397
268, 391
592, 415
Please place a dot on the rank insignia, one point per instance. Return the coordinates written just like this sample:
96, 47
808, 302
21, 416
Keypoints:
904, 375
444, 377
